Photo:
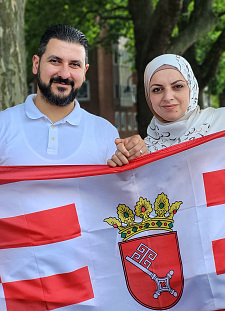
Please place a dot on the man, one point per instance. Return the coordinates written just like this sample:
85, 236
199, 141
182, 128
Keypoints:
50, 127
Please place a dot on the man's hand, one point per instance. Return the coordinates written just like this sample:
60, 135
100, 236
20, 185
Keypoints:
128, 149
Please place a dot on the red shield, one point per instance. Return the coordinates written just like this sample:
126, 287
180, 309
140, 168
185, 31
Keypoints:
153, 270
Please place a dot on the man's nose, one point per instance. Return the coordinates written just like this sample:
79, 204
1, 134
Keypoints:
64, 71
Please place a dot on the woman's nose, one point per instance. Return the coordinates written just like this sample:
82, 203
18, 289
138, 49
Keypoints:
168, 94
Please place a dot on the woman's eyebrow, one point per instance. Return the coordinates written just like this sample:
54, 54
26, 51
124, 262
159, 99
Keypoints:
180, 80
174, 82
155, 84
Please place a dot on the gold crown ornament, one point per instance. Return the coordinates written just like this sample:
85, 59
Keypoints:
162, 221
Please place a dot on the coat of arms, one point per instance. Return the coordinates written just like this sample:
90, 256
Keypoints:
152, 264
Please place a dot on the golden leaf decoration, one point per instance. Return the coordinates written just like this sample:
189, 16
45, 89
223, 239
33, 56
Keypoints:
143, 208
161, 204
125, 214
112, 221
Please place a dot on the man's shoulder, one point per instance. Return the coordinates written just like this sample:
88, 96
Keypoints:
96, 118
11, 110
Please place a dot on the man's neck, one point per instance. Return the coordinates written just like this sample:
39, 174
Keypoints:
53, 112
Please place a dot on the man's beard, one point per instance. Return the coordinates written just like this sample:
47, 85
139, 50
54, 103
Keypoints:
63, 100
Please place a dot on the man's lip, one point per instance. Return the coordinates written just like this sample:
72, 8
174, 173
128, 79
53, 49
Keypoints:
62, 83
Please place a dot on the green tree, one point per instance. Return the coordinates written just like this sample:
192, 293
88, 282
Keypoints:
193, 28
12, 53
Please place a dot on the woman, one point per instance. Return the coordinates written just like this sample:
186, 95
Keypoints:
171, 91
166, 96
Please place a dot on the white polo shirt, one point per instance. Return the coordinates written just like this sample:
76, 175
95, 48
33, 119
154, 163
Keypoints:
28, 137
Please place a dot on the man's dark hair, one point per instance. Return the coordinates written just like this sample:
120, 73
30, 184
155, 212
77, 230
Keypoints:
65, 33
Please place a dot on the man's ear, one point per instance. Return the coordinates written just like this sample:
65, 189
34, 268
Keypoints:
36, 60
86, 67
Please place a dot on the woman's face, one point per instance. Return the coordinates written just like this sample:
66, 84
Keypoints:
169, 95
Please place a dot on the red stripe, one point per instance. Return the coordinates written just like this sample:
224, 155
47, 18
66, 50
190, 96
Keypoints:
40, 228
49, 293
9, 174
219, 255
214, 187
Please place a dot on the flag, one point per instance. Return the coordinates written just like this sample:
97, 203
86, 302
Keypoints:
146, 236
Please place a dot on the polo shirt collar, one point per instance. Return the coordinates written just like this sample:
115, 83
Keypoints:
33, 112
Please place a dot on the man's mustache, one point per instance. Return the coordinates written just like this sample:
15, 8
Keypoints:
60, 80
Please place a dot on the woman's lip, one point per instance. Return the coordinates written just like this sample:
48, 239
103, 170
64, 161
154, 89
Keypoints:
169, 106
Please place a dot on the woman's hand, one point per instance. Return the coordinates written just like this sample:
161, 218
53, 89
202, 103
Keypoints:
127, 149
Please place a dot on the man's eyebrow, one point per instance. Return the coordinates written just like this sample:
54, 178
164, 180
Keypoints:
76, 61
53, 56
59, 58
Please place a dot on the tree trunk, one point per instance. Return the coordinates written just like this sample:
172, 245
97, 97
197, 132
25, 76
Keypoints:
13, 88
152, 34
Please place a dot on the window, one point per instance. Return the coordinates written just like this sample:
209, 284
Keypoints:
130, 121
116, 91
84, 92
135, 121
123, 121
115, 56
117, 120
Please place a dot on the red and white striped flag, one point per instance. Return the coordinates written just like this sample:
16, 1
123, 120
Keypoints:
147, 236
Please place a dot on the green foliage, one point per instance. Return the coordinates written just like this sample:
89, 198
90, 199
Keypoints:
104, 21
155, 3
91, 17
218, 82
218, 5
204, 45
65, 12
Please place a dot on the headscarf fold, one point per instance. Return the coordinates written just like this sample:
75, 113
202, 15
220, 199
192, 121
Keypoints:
195, 123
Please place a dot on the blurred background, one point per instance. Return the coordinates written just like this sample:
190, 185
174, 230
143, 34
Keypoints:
123, 35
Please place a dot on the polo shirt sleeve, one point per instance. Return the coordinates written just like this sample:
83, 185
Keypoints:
105, 136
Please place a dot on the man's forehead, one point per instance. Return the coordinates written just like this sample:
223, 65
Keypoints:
57, 47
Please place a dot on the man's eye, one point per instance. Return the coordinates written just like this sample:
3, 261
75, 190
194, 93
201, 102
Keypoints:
54, 61
75, 64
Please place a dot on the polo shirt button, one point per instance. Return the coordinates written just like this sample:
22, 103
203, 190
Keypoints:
52, 127
52, 138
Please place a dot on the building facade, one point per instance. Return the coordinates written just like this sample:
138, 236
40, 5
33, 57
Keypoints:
110, 88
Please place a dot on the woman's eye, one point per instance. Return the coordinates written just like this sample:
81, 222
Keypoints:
178, 86
156, 89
